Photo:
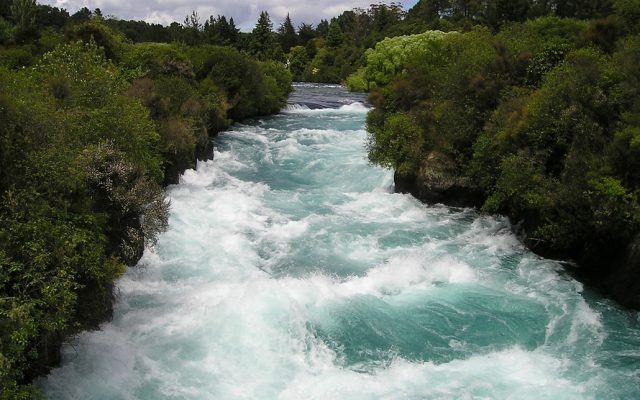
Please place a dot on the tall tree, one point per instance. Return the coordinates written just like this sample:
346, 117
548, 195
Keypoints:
334, 38
306, 32
192, 28
262, 37
429, 11
298, 61
499, 12
83, 14
287, 34
233, 35
23, 13
323, 28
51, 16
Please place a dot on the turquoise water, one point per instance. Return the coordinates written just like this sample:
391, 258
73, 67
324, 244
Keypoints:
292, 271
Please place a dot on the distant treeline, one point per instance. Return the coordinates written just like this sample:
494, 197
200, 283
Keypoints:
327, 52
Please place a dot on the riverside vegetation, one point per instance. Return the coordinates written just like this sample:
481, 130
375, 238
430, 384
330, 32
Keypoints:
527, 108
534, 114
91, 127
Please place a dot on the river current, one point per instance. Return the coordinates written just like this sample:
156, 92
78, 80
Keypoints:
291, 270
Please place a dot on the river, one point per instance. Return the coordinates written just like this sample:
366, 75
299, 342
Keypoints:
291, 270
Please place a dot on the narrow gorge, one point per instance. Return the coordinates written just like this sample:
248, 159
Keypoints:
292, 270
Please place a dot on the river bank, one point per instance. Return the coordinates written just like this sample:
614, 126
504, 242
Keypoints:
616, 272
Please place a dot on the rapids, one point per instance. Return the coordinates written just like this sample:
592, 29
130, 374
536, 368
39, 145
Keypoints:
292, 271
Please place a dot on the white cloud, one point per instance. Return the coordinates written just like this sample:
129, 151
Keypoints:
244, 12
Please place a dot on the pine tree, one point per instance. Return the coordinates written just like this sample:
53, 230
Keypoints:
334, 37
287, 34
323, 28
192, 27
233, 33
262, 40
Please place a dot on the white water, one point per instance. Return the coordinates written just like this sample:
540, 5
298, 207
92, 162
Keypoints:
292, 271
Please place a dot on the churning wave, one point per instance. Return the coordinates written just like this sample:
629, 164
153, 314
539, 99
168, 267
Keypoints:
292, 271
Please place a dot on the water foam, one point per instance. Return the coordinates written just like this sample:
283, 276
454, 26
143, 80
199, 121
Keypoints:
353, 108
291, 270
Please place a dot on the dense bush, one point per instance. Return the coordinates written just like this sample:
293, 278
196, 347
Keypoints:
66, 229
193, 92
89, 132
541, 117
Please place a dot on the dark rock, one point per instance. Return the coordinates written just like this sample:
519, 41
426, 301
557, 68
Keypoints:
623, 279
49, 355
178, 163
436, 182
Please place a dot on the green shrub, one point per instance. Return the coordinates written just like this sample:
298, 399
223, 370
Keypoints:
95, 30
17, 57
396, 144
357, 82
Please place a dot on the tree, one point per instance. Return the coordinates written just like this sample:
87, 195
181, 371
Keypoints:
51, 16
287, 35
334, 37
323, 28
307, 33
192, 21
233, 35
262, 37
298, 61
629, 12
192, 27
23, 13
220, 31
430, 11
498, 12
83, 14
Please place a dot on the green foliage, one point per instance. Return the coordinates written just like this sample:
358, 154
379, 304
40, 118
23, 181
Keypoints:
90, 77
629, 12
50, 38
6, 31
357, 82
544, 61
278, 86
321, 68
625, 156
23, 14
334, 36
396, 144
390, 56
17, 57
532, 36
156, 59
110, 40
613, 208
264, 44
542, 117
287, 35
251, 88
219, 31
88, 133
298, 62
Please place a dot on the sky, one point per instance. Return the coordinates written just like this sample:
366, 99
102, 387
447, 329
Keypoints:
244, 12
